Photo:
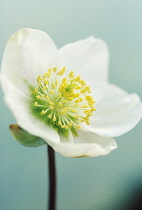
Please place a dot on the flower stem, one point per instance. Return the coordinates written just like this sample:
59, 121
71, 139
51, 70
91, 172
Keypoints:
52, 179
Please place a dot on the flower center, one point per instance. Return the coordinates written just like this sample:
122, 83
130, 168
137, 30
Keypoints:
62, 102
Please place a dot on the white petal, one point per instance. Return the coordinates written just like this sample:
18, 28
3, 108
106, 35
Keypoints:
88, 58
88, 144
117, 111
27, 55
18, 104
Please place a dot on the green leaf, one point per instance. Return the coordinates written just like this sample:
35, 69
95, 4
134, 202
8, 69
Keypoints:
25, 138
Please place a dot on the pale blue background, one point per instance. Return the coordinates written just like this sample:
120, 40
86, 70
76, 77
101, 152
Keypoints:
102, 183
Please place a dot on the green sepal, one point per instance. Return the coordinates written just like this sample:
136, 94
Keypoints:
25, 138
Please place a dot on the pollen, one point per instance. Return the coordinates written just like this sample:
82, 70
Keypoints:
62, 101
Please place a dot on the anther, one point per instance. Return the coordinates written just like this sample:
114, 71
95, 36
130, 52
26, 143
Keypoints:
38, 96
50, 116
51, 92
51, 107
60, 95
47, 98
59, 122
36, 89
54, 118
36, 103
42, 112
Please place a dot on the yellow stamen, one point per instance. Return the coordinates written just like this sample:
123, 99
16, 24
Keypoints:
51, 107
42, 95
45, 82
55, 69
38, 96
54, 118
70, 123
59, 122
65, 99
77, 127
71, 74
50, 116
51, 92
47, 98
36, 89
42, 112
36, 103
60, 95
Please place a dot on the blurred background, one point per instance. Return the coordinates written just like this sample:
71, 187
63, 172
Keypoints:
112, 182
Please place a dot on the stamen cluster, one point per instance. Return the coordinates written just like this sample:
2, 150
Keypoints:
62, 102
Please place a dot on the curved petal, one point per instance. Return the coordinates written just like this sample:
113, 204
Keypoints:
18, 104
117, 111
27, 55
88, 144
88, 57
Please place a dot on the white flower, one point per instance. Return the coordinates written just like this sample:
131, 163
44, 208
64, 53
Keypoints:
63, 95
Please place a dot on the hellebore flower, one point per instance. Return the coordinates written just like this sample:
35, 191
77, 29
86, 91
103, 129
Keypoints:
63, 95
